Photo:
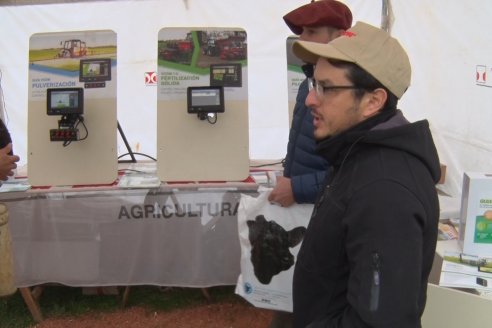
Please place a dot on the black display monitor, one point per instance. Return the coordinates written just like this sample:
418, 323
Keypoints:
208, 99
95, 70
65, 101
227, 74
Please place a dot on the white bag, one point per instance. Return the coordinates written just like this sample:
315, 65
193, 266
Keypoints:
270, 237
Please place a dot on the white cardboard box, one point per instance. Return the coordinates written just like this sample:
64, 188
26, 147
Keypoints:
476, 214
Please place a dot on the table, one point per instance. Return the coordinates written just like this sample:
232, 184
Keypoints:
170, 235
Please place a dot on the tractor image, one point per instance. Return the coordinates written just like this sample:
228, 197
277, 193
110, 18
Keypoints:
232, 47
179, 51
72, 49
233, 50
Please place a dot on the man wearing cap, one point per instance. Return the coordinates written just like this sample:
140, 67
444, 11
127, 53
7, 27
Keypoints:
369, 246
304, 171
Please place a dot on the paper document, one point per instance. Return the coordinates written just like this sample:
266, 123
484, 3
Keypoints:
466, 271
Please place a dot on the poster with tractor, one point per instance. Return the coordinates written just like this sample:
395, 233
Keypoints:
192, 57
73, 59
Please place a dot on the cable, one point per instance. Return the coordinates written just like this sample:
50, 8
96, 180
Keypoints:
141, 154
130, 170
81, 120
268, 164
78, 120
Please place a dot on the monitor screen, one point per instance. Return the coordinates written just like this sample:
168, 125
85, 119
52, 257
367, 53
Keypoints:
63, 101
95, 70
209, 99
227, 75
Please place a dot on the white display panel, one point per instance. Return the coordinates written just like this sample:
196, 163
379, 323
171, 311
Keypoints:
190, 146
59, 61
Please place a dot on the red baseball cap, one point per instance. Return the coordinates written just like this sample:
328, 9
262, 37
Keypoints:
319, 13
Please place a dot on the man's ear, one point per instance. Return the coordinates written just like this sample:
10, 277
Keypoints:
373, 102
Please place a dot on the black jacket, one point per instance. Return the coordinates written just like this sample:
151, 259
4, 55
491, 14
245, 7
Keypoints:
5, 138
370, 243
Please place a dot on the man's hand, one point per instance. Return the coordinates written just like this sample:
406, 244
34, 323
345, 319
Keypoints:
7, 162
282, 193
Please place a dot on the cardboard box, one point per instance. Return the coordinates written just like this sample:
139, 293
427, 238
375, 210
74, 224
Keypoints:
442, 180
476, 214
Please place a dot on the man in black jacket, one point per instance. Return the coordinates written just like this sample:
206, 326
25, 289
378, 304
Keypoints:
370, 243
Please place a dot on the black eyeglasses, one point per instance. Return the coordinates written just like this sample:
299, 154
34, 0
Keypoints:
322, 90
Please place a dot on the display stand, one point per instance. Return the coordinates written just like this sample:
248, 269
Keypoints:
130, 152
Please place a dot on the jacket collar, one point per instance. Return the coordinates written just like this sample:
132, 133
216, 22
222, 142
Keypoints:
333, 147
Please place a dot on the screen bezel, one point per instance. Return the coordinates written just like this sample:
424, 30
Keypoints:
97, 78
50, 110
194, 108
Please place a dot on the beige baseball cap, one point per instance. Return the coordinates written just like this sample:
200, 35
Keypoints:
371, 48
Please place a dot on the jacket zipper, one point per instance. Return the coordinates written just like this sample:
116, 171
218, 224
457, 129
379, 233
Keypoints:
375, 284
320, 201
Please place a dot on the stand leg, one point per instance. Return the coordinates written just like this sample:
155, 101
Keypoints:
206, 294
31, 299
126, 294
130, 152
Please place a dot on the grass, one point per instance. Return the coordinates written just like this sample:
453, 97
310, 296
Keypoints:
62, 301
45, 54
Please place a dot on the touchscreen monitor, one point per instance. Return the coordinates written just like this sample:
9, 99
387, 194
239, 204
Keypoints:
209, 99
63, 101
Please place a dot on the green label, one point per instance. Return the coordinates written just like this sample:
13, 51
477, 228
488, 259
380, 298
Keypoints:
483, 230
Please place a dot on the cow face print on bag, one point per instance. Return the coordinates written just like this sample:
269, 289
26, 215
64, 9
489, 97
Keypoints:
270, 245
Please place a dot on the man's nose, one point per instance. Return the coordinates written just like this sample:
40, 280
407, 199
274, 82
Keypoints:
312, 100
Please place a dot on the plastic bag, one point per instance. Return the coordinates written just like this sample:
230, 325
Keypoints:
270, 237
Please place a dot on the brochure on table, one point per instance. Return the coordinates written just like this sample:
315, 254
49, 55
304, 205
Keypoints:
461, 270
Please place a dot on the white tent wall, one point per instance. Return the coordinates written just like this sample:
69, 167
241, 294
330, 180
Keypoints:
446, 40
